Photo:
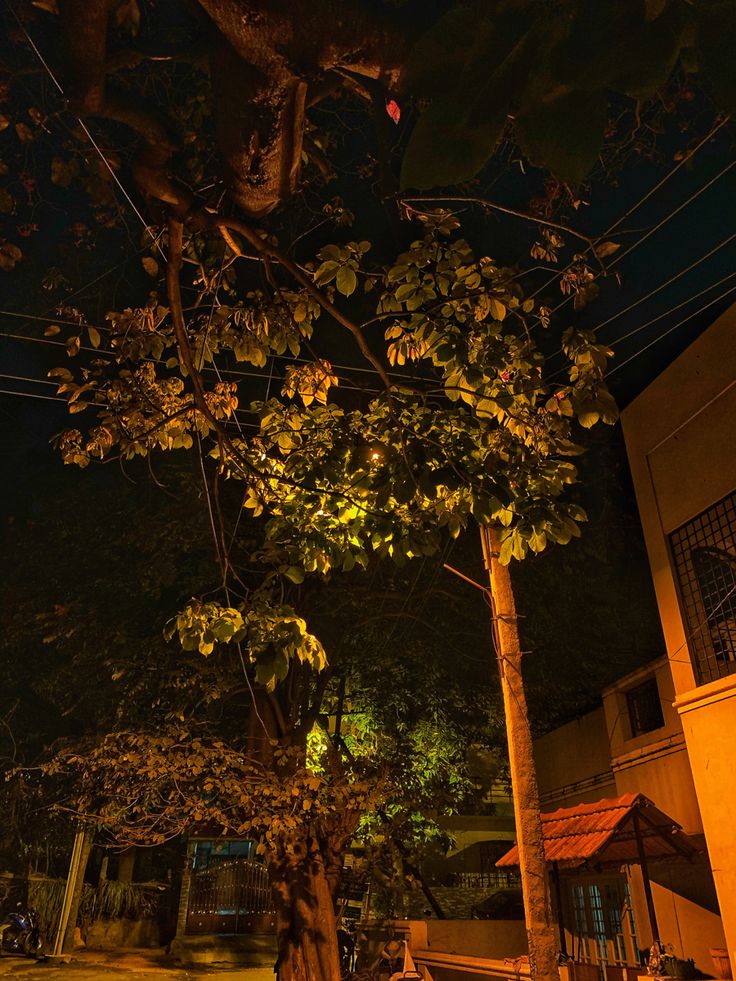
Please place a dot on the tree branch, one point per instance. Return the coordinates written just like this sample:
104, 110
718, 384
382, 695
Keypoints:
493, 206
272, 252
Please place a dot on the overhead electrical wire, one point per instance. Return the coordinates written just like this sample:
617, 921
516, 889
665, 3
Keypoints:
670, 330
678, 306
642, 200
86, 130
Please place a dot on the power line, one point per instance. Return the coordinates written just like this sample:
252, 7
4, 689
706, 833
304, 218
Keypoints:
693, 197
226, 374
684, 303
669, 330
635, 207
653, 292
86, 130
672, 279
232, 371
32, 395
34, 381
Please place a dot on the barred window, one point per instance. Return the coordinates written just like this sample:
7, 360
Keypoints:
704, 553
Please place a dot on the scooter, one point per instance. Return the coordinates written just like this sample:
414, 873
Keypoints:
20, 933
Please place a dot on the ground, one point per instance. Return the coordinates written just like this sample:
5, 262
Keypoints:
127, 966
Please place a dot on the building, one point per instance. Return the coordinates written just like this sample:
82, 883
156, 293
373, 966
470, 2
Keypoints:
680, 436
633, 744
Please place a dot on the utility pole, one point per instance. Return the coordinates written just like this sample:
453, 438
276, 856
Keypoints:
543, 949
69, 890
540, 930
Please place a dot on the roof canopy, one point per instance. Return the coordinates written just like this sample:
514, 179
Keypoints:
609, 833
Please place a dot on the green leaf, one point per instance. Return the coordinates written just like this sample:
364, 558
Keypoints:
565, 136
326, 272
498, 309
617, 44
346, 280
442, 52
295, 574
445, 148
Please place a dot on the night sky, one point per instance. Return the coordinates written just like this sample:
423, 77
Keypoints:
686, 222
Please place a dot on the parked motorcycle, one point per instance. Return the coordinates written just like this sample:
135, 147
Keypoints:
20, 933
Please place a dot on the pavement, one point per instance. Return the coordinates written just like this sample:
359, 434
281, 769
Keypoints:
129, 965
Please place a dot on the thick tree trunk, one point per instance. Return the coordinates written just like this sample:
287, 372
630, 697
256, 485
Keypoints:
543, 949
305, 915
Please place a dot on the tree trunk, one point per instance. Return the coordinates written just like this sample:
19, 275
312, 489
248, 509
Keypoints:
305, 915
543, 950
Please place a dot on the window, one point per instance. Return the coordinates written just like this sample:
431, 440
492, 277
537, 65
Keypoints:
704, 554
645, 708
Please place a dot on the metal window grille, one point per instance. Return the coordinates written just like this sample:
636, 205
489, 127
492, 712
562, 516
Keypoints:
704, 553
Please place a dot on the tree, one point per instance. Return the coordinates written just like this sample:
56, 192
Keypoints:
473, 430
485, 439
405, 714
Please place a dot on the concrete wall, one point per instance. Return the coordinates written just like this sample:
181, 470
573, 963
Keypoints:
494, 939
690, 928
709, 720
654, 763
117, 933
574, 763
470, 829
681, 440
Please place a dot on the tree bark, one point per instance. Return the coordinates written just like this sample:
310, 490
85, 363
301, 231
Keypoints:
306, 928
543, 949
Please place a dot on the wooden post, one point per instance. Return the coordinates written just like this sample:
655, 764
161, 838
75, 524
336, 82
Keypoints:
186, 883
645, 876
560, 914
71, 881
543, 950
85, 847
126, 864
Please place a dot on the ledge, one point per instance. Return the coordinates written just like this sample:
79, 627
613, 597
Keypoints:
714, 691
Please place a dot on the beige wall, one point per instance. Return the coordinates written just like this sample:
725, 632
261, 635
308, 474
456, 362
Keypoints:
469, 829
689, 927
681, 440
709, 720
655, 763
574, 763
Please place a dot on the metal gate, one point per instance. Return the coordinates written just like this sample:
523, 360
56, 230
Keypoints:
232, 896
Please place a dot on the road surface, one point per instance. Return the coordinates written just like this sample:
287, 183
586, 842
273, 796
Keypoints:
129, 966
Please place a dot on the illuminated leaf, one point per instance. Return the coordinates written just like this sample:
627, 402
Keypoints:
606, 248
346, 280
150, 265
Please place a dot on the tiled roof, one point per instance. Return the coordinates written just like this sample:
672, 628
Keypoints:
603, 833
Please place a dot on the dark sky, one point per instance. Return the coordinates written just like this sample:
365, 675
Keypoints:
640, 314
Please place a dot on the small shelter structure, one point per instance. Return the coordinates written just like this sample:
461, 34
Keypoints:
608, 834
